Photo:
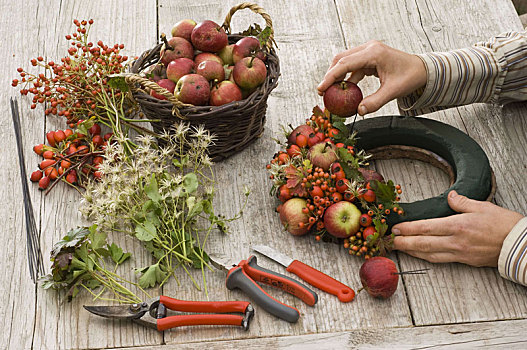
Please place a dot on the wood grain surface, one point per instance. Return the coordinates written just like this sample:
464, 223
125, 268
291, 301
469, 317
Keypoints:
435, 310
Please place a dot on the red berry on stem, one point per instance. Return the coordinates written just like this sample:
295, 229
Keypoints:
369, 196
50, 136
368, 231
95, 129
39, 149
44, 183
365, 220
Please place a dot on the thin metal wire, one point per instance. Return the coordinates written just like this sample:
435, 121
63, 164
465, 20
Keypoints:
34, 253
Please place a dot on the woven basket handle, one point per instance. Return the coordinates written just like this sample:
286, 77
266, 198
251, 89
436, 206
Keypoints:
256, 9
133, 79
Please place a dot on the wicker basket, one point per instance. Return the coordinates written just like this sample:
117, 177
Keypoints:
235, 125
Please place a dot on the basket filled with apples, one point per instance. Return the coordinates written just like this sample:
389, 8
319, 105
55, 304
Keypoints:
204, 75
323, 184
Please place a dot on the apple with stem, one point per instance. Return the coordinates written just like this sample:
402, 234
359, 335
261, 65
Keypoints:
225, 92
379, 277
176, 47
178, 68
323, 154
249, 73
208, 36
342, 219
343, 98
183, 28
193, 89
247, 47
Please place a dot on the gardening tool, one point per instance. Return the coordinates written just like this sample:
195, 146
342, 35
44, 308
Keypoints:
243, 275
309, 274
153, 313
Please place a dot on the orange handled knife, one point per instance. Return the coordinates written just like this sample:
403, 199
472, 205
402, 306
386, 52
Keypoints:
309, 274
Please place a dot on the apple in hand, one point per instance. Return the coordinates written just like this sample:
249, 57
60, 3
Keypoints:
292, 217
343, 98
323, 154
193, 89
249, 73
179, 67
226, 54
183, 28
165, 83
342, 219
247, 47
208, 36
180, 48
207, 56
211, 70
379, 277
225, 92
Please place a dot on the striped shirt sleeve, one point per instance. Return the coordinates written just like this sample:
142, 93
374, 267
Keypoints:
512, 263
494, 71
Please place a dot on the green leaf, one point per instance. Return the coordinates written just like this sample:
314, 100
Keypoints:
47, 281
82, 251
117, 255
152, 190
207, 207
117, 81
90, 262
153, 218
385, 192
98, 240
77, 273
198, 257
92, 284
176, 163
72, 238
145, 232
380, 227
264, 35
318, 112
190, 183
151, 275
194, 208
342, 128
78, 264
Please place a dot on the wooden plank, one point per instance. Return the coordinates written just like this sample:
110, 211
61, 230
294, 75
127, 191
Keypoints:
18, 297
451, 292
60, 324
304, 44
495, 335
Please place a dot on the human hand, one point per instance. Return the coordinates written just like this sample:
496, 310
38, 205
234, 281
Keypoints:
399, 73
473, 237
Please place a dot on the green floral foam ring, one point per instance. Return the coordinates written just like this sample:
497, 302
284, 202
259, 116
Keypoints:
472, 173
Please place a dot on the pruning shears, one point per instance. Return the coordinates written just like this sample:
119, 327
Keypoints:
244, 275
153, 313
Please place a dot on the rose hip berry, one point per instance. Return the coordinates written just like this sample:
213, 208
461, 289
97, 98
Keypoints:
36, 175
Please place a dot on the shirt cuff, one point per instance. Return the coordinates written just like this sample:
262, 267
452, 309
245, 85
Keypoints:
512, 263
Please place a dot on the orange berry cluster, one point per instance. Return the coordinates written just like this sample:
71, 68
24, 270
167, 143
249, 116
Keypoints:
70, 156
72, 89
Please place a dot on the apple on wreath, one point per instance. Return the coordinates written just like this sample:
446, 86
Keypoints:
342, 219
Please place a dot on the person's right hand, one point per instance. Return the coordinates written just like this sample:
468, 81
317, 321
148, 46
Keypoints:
399, 73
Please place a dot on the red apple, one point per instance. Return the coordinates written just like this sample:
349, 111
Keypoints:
249, 73
303, 129
211, 70
226, 54
291, 216
323, 154
207, 56
165, 83
247, 47
225, 92
183, 28
179, 67
208, 36
180, 48
343, 98
341, 219
379, 277
193, 89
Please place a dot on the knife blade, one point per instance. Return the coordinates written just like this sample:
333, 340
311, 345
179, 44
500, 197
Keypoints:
309, 274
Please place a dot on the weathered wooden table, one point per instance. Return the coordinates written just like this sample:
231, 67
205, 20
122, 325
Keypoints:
452, 306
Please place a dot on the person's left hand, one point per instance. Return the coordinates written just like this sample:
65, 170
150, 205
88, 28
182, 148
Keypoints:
473, 237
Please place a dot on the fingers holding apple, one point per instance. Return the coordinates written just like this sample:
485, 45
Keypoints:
343, 98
